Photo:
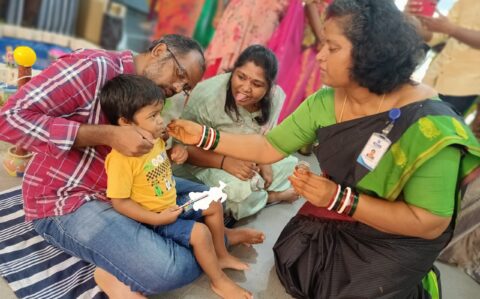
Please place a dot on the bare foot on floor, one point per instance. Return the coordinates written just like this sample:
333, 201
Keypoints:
226, 288
231, 262
288, 195
244, 235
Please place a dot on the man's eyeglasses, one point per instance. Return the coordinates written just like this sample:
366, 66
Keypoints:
181, 74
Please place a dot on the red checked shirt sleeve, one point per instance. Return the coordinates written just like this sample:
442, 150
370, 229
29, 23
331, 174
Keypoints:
44, 117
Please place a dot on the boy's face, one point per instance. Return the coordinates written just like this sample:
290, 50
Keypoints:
149, 118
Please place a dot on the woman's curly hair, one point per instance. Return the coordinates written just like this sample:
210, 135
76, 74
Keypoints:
386, 48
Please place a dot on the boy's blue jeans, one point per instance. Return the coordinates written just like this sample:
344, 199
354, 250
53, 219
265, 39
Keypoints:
129, 250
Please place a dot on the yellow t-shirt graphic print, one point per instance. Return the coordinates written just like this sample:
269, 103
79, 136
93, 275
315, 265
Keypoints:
146, 180
158, 170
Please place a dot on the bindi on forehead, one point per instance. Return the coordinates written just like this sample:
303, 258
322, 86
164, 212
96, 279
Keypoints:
258, 79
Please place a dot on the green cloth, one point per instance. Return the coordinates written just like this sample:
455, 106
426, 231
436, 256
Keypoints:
433, 185
206, 105
300, 127
430, 284
422, 167
204, 29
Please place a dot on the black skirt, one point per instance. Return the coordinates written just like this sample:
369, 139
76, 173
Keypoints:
322, 258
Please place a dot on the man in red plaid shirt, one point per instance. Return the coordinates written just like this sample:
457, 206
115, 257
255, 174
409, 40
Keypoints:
57, 116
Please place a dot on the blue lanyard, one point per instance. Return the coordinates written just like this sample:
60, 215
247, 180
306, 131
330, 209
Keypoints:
393, 115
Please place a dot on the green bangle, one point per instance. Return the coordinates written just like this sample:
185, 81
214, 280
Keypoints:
356, 198
217, 140
338, 200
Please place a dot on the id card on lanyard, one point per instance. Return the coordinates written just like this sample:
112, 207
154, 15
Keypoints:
378, 143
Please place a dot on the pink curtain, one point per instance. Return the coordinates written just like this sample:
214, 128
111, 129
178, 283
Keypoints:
298, 70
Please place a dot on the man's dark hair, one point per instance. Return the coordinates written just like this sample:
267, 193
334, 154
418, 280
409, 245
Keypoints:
265, 59
386, 48
124, 95
180, 45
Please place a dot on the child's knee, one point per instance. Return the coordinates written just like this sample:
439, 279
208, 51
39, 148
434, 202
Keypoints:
200, 233
216, 207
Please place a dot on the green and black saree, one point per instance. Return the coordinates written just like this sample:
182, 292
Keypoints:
321, 254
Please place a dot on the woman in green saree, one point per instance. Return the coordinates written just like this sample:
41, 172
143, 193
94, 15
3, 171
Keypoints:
374, 221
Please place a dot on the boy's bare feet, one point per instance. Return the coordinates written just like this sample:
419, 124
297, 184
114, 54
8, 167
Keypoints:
231, 262
226, 288
288, 196
244, 235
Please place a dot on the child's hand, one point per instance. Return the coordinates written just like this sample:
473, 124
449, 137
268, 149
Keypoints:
267, 174
169, 215
178, 154
243, 170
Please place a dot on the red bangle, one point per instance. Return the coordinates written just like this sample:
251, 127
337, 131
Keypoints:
349, 208
335, 195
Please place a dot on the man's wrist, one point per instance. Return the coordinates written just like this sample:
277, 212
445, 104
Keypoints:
108, 133
92, 135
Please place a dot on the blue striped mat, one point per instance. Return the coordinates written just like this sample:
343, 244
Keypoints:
32, 267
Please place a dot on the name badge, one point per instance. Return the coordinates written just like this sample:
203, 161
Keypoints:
377, 145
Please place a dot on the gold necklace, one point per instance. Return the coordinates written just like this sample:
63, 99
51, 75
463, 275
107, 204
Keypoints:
345, 100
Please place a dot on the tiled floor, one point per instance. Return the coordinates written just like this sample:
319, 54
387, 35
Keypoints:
261, 279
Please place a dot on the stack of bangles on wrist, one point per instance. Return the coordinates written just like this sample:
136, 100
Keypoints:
344, 201
210, 138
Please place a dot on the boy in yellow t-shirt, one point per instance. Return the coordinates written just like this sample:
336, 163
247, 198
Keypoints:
143, 188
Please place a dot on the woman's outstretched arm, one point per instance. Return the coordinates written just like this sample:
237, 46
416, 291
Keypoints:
249, 147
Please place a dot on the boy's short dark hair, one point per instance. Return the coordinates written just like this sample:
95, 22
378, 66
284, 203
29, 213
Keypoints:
125, 94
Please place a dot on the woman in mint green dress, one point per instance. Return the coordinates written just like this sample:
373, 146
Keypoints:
244, 101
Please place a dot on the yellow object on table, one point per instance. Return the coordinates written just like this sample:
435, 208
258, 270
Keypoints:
24, 56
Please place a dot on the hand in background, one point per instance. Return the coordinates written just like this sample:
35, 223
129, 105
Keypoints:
178, 154
186, 131
243, 170
266, 172
439, 24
